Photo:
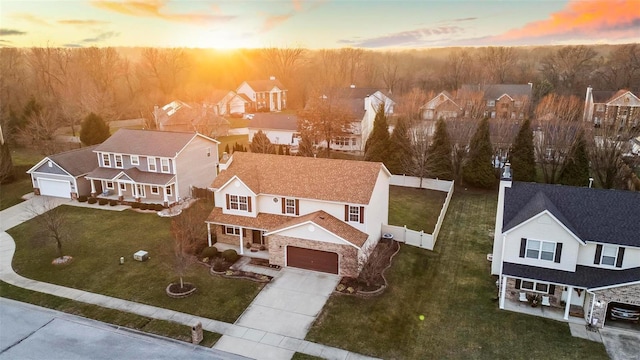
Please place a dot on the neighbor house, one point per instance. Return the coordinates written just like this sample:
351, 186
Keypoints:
182, 117
62, 175
501, 101
318, 214
576, 249
264, 95
227, 102
153, 166
281, 129
620, 107
443, 106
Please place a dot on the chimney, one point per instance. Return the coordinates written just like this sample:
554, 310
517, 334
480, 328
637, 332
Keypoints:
352, 86
272, 77
506, 173
590, 182
588, 105
505, 182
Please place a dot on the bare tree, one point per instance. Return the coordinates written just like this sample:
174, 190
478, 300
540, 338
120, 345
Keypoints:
420, 136
39, 131
569, 68
460, 132
379, 259
283, 62
457, 69
622, 69
608, 144
389, 71
409, 104
52, 224
189, 233
498, 63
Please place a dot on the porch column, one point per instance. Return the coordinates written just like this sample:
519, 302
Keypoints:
93, 188
119, 190
503, 291
568, 304
134, 189
208, 227
166, 203
241, 241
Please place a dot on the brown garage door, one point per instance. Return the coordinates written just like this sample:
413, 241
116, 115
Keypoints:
312, 259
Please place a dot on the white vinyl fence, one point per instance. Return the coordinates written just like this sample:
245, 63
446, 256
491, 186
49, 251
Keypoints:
413, 237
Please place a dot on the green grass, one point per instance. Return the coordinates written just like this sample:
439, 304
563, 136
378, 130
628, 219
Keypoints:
452, 288
417, 208
301, 356
100, 237
235, 123
231, 140
132, 321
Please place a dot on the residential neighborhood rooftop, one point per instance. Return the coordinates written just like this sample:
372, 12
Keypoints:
275, 121
146, 142
76, 162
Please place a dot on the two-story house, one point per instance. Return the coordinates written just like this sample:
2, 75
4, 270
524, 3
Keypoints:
318, 214
183, 117
153, 166
501, 101
443, 106
227, 102
265, 95
620, 107
576, 248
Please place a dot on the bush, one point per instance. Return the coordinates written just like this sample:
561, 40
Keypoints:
83, 198
210, 252
92, 200
135, 205
143, 206
219, 264
230, 256
158, 207
113, 202
103, 201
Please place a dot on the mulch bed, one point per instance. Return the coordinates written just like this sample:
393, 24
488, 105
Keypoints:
384, 254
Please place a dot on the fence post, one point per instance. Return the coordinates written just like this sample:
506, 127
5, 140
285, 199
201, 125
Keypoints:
422, 239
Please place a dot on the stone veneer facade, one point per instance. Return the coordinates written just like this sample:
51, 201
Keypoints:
347, 255
629, 294
513, 293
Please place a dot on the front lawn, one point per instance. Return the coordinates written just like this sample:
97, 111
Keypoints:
417, 208
452, 288
101, 237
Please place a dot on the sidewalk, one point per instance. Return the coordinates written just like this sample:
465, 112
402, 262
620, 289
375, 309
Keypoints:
260, 344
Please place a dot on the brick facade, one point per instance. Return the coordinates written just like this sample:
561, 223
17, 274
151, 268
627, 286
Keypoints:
347, 255
623, 294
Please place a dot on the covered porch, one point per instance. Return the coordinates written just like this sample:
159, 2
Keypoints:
133, 185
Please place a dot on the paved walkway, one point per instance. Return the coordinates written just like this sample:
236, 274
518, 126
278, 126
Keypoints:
261, 344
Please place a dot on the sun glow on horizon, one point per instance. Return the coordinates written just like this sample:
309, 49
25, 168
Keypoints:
222, 39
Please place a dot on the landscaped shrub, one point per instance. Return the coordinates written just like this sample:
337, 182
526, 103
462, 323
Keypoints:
92, 200
230, 256
219, 264
135, 205
158, 207
143, 206
209, 252
103, 201
113, 202
83, 198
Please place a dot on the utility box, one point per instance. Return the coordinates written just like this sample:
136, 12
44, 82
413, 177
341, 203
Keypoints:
196, 333
141, 255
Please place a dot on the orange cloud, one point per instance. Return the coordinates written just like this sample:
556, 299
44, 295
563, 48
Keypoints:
593, 17
82, 22
155, 9
274, 20
297, 5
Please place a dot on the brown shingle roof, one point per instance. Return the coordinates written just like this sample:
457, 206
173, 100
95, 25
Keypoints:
262, 221
330, 223
345, 181
146, 142
76, 162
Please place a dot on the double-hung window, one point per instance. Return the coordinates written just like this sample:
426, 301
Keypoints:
135, 160
609, 254
106, 160
290, 206
151, 163
232, 230
543, 250
237, 202
118, 159
164, 165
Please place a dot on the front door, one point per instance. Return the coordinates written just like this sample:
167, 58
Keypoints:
257, 237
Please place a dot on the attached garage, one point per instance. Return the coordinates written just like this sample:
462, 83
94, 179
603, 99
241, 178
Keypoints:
311, 259
57, 188
623, 315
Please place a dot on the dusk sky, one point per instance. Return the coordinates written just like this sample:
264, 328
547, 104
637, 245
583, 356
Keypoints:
374, 24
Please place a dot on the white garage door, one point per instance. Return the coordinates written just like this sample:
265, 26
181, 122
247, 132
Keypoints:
57, 188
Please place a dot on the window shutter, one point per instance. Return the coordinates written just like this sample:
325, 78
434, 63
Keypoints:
284, 205
596, 259
552, 289
249, 203
361, 214
346, 213
518, 281
620, 256
523, 247
558, 252
228, 201
297, 207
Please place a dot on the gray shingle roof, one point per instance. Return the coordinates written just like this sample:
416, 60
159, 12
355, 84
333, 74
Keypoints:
495, 91
76, 162
584, 276
274, 121
146, 142
135, 174
597, 215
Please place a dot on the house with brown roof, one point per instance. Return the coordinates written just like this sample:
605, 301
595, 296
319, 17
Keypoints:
152, 166
62, 175
496, 101
264, 95
317, 214
620, 107
183, 117
443, 106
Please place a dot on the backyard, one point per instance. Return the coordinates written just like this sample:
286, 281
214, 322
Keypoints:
452, 288
418, 209
11, 192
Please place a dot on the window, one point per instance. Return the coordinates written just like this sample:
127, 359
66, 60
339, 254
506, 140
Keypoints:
237, 202
168, 190
123, 186
164, 165
232, 230
106, 160
517, 103
155, 190
118, 158
152, 164
140, 190
290, 206
534, 286
543, 250
354, 213
609, 254
600, 107
491, 103
353, 141
135, 160
109, 185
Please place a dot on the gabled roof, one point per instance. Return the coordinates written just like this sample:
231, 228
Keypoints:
495, 91
265, 85
217, 95
134, 174
276, 121
353, 98
76, 162
593, 215
329, 223
262, 221
344, 181
147, 142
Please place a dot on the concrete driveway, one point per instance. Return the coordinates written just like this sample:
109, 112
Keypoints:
621, 344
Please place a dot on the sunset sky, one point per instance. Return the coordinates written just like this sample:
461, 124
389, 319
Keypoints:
371, 24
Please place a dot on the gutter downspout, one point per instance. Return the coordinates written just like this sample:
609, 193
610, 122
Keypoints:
593, 302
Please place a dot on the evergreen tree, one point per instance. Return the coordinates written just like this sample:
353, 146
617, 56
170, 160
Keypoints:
523, 161
261, 144
377, 146
576, 170
400, 149
478, 169
239, 147
439, 165
305, 147
93, 130
280, 150
226, 149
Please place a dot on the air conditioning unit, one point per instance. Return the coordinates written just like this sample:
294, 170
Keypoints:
141, 255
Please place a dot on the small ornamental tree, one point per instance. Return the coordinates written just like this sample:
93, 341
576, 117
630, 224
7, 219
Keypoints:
478, 169
576, 169
399, 158
261, 144
377, 146
439, 163
52, 224
93, 130
189, 234
522, 157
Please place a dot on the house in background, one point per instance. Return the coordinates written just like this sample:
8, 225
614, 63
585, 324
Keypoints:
576, 248
264, 95
502, 101
179, 116
62, 175
227, 102
281, 129
153, 166
620, 107
318, 214
443, 106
